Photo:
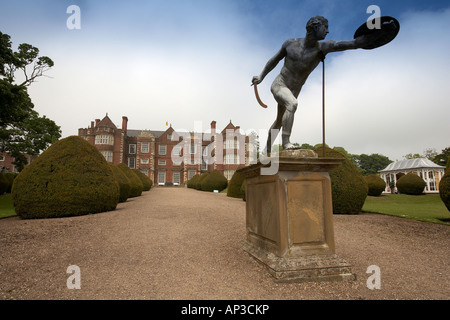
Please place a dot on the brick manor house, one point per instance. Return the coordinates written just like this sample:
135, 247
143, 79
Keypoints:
169, 157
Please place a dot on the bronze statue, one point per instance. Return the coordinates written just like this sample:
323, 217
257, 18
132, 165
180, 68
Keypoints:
301, 56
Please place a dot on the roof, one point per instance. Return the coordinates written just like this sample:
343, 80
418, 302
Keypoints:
416, 163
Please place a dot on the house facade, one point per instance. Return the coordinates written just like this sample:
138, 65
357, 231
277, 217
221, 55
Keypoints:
430, 172
170, 157
7, 162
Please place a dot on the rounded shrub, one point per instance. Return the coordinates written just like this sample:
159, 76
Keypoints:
198, 183
376, 185
193, 181
243, 191
146, 181
444, 188
123, 181
70, 178
136, 183
234, 187
10, 176
348, 187
411, 184
215, 180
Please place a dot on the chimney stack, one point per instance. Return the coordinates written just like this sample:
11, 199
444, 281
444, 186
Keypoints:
97, 121
213, 127
124, 124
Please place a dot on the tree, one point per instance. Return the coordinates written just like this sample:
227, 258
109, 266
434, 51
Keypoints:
442, 158
372, 164
22, 130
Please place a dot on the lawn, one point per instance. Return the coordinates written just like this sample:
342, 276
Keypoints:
427, 207
6, 206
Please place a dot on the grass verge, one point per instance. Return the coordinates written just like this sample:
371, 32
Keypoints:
428, 207
6, 206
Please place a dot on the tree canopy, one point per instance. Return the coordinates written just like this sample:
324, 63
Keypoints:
22, 130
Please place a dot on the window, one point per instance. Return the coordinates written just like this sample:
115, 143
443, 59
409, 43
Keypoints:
161, 177
162, 149
231, 159
144, 147
232, 144
132, 163
132, 149
2, 158
108, 155
176, 177
144, 171
193, 148
162, 162
104, 139
204, 165
169, 136
145, 161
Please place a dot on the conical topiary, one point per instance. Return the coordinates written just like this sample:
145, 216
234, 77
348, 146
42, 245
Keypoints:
215, 180
136, 183
123, 181
235, 186
348, 187
444, 186
70, 178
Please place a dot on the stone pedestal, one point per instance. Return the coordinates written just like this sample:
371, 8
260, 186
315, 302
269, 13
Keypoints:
289, 219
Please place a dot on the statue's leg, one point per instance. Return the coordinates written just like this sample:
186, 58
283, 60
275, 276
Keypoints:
275, 126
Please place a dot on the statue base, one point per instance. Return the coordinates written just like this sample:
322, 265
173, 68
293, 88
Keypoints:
289, 218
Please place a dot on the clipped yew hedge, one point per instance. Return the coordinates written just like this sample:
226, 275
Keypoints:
376, 185
71, 178
235, 186
444, 187
146, 181
411, 184
123, 181
192, 182
136, 184
215, 180
348, 187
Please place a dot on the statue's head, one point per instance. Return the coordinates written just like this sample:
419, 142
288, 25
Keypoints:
317, 26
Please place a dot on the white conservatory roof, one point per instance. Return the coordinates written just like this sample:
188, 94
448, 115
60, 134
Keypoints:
417, 163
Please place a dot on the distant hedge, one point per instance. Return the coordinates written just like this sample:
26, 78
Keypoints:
123, 181
70, 178
215, 180
235, 186
348, 187
444, 188
136, 184
376, 185
146, 181
411, 184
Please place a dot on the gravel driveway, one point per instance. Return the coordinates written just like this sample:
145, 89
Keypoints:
177, 243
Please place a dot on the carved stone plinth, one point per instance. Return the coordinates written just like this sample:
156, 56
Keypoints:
289, 219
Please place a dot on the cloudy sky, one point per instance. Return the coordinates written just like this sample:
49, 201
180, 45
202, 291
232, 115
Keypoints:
192, 61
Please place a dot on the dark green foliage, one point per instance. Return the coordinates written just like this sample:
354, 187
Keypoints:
243, 191
348, 187
4, 183
411, 184
444, 187
198, 183
70, 178
234, 187
193, 181
376, 185
136, 184
123, 181
215, 180
146, 181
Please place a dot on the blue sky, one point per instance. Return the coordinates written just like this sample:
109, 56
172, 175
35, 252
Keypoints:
188, 61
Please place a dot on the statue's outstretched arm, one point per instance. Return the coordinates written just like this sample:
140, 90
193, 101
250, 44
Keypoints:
270, 65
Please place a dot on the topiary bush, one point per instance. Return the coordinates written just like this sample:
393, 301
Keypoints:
348, 187
146, 181
198, 183
444, 187
234, 187
215, 180
123, 181
243, 191
70, 178
411, 184
10, 176
136, 183
376, 185
192, 182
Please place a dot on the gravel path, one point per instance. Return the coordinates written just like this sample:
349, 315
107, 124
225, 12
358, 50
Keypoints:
176, 243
